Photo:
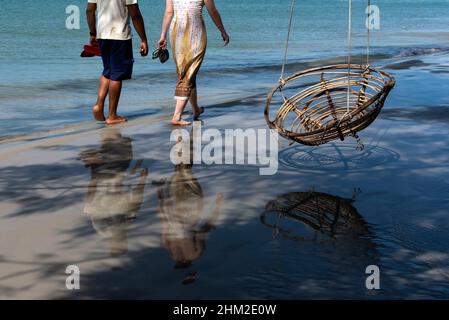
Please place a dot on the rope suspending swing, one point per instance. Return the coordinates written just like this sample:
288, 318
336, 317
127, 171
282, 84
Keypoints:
292, 12
343, 99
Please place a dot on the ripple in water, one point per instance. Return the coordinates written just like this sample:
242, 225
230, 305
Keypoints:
334, 157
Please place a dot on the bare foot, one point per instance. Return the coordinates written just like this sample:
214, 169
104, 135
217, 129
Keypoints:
97, 111
196, 114
181, 122
116, 120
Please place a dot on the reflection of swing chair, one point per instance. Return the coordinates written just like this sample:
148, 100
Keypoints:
342, 100
319, 212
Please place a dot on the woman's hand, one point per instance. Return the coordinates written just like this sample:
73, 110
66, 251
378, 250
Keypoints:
216, 18
162, 43
225, 37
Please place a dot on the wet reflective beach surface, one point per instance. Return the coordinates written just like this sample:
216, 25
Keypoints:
110, 201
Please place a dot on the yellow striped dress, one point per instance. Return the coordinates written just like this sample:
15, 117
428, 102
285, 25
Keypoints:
188, 41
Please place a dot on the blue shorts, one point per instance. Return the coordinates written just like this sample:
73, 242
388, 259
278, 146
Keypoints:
117, 58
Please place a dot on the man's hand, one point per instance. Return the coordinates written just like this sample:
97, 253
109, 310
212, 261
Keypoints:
92, 22
144, 48
139, 25
93, 41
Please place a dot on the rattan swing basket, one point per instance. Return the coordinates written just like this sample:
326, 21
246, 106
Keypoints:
333, 102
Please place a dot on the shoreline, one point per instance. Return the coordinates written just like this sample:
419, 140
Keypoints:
390, 63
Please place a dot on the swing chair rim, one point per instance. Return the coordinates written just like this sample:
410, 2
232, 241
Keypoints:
391, 82
360, 123
343, 66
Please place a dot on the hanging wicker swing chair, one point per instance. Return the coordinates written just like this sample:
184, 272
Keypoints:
336, 101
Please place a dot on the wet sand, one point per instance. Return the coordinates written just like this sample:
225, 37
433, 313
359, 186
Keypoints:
109, 201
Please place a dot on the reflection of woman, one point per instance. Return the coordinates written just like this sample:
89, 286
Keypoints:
188, 42
110, 204
181, 211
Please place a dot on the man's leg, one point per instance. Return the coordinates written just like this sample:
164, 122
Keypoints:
115, 89
98, 109
121, 69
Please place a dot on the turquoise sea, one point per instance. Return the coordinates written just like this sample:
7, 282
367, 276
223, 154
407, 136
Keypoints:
45, 85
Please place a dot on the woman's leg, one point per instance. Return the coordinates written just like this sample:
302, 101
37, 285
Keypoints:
197, 110
177, 116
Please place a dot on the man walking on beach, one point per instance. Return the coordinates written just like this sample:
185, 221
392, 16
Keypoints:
114, 39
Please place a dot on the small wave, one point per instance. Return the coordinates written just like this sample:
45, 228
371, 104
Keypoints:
336, 158
411, 52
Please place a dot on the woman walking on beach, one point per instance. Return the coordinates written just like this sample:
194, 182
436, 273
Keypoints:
188, 41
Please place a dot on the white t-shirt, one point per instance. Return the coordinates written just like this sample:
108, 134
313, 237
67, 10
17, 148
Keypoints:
113, 19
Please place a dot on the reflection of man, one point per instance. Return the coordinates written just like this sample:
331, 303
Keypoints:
110, 203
